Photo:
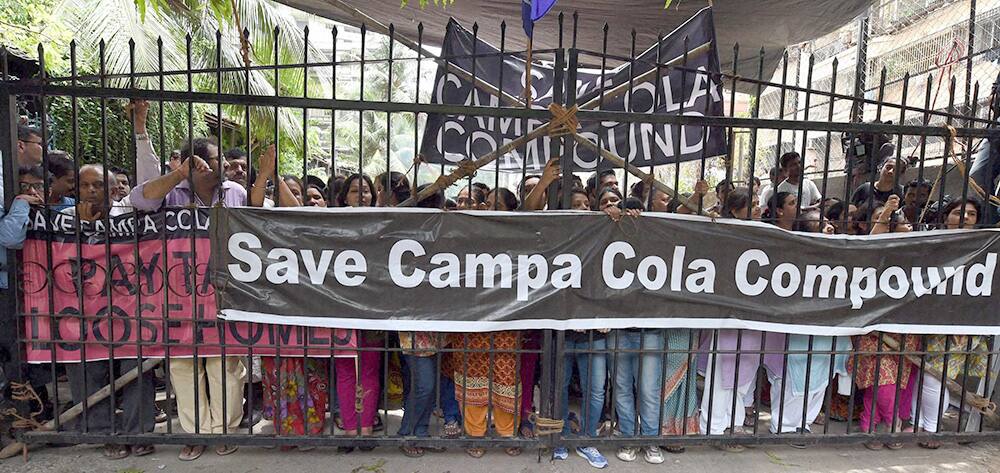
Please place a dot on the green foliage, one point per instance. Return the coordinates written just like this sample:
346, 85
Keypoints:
117, 133
375, 137
130, 30
24, 24
222, 9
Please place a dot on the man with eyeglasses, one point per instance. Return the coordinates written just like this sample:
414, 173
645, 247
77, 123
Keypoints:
29, 146
13, 231
14, 224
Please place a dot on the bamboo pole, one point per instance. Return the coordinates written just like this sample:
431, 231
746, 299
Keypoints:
624, 86
100, 394
77, 410
973, 400
527, 76
465, 171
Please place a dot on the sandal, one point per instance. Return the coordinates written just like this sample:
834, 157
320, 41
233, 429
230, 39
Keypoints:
191, 452
874, 445
142, 450
452, 429
223, 450
930, 445
731, 448
674, 448
512, 451
412, 452
116, 452
893, 445
750, 417
527, 430
476, 452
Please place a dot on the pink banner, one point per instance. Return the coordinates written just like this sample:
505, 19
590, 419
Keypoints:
80, 310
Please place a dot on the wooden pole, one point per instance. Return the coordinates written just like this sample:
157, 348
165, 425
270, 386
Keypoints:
77, 410
973, 400
527, 76
461, 172
650, 74
100, 394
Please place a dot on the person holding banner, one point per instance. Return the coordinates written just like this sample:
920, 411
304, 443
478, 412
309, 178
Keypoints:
486, 369
471, 198
883, 377
13, 231
637, 381
732, 361
86, 378
580, 346
799, 380
358, 377
954, 356
209, 389
397, 191
295, 387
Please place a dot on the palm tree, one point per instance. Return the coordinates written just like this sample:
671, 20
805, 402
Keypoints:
131, 37
375, 134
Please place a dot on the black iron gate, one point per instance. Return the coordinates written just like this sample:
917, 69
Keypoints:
934, 146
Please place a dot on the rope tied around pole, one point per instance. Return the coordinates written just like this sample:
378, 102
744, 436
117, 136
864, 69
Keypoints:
466, 167
546, 426
563, 121
24, 392
949, 146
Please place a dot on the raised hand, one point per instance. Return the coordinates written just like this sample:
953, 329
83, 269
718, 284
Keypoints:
139, 110
552, 170
268, 163
194, 163
701, 188
87, 212
31, 199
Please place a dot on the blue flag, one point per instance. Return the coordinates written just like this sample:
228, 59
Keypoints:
532, 11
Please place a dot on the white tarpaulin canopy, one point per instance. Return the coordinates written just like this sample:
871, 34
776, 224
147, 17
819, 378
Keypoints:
773, 24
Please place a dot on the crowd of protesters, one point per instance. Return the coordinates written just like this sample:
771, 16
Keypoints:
484, 382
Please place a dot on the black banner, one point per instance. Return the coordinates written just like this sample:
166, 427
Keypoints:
451, 138
422, 269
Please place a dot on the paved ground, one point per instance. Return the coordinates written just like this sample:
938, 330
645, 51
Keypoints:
980, 457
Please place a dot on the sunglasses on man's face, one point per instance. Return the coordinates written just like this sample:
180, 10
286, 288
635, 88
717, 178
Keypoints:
31, 186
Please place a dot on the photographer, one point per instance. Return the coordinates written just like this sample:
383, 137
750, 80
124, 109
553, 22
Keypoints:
887, 184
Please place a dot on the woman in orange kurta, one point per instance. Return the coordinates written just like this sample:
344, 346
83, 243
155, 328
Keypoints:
486, 376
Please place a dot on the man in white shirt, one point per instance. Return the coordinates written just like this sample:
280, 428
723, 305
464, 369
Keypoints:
791, 166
